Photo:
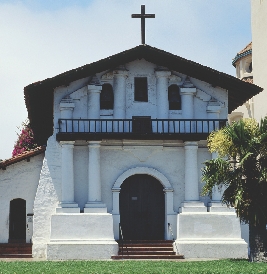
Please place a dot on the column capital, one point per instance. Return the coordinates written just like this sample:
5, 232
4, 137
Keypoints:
94, 88
67, 143
190, 145
162, 73
188, 91
94, 143
116, 189
168, 189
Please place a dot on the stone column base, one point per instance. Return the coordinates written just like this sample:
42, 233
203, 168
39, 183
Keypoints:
192, 206
217, 206
96, 207
68, 208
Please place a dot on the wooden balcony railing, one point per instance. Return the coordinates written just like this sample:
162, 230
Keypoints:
139, 126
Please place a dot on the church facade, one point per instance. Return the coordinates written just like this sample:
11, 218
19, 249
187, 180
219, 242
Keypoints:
125, 142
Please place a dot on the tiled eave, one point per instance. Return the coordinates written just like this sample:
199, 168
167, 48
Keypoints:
23, 156
241, 55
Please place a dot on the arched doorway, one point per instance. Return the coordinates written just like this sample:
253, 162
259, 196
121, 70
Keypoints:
142, 208
17, 221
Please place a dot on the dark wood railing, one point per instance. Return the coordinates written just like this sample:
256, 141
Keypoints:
140, 125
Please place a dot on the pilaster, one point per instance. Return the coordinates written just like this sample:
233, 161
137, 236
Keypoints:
94, 204
192, 202
67, 204
119, 89
162, 94
187, 98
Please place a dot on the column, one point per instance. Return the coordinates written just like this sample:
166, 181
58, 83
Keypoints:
119, 90
94, 204
192, 202
67, 204
162, 99
216, 205
94, 106
162, 94
191, 172
213, 112
66, 112
187, 98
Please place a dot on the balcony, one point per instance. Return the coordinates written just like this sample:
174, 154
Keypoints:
138, 128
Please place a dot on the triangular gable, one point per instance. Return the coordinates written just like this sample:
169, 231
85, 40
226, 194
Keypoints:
39, 95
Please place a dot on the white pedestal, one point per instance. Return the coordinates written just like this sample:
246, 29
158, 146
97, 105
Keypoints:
96, 207
210, 235
81, 236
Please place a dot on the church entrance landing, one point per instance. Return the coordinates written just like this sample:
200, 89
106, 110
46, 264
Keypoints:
142, 208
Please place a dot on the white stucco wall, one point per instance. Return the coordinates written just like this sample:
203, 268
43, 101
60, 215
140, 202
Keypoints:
259, 57
19, 180
141, 68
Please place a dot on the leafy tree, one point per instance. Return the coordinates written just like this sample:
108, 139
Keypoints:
25, 140
241, 167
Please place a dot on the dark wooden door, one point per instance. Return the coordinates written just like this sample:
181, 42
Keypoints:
17, 221
142, 208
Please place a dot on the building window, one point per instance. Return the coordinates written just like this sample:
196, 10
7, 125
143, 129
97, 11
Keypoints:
106, 97
250, 67
140, 89
174, 97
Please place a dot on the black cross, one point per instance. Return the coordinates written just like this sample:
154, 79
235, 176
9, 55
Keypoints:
143, 16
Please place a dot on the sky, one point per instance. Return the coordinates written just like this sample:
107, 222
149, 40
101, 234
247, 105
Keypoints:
40, 39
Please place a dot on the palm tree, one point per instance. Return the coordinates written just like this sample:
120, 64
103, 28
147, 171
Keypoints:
241, 167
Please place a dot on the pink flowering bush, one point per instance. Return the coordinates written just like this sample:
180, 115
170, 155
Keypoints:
25, 140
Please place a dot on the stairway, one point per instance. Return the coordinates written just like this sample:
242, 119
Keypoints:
159, 249
16, 250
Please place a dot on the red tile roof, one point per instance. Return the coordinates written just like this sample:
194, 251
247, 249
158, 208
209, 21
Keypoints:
247, 50
23, 156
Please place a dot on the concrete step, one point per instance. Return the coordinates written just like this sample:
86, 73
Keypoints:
15, 255
147, 250
148, 257
146, 253
15, 250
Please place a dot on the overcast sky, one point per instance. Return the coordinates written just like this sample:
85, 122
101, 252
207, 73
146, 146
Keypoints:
42, 38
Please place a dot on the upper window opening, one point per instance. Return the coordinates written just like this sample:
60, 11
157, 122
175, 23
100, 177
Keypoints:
174, 97
106, 97
140, 89
250, 67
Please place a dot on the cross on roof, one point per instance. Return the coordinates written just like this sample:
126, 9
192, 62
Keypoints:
143, 16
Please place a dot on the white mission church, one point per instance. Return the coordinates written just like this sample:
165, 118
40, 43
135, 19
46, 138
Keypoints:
124, 142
